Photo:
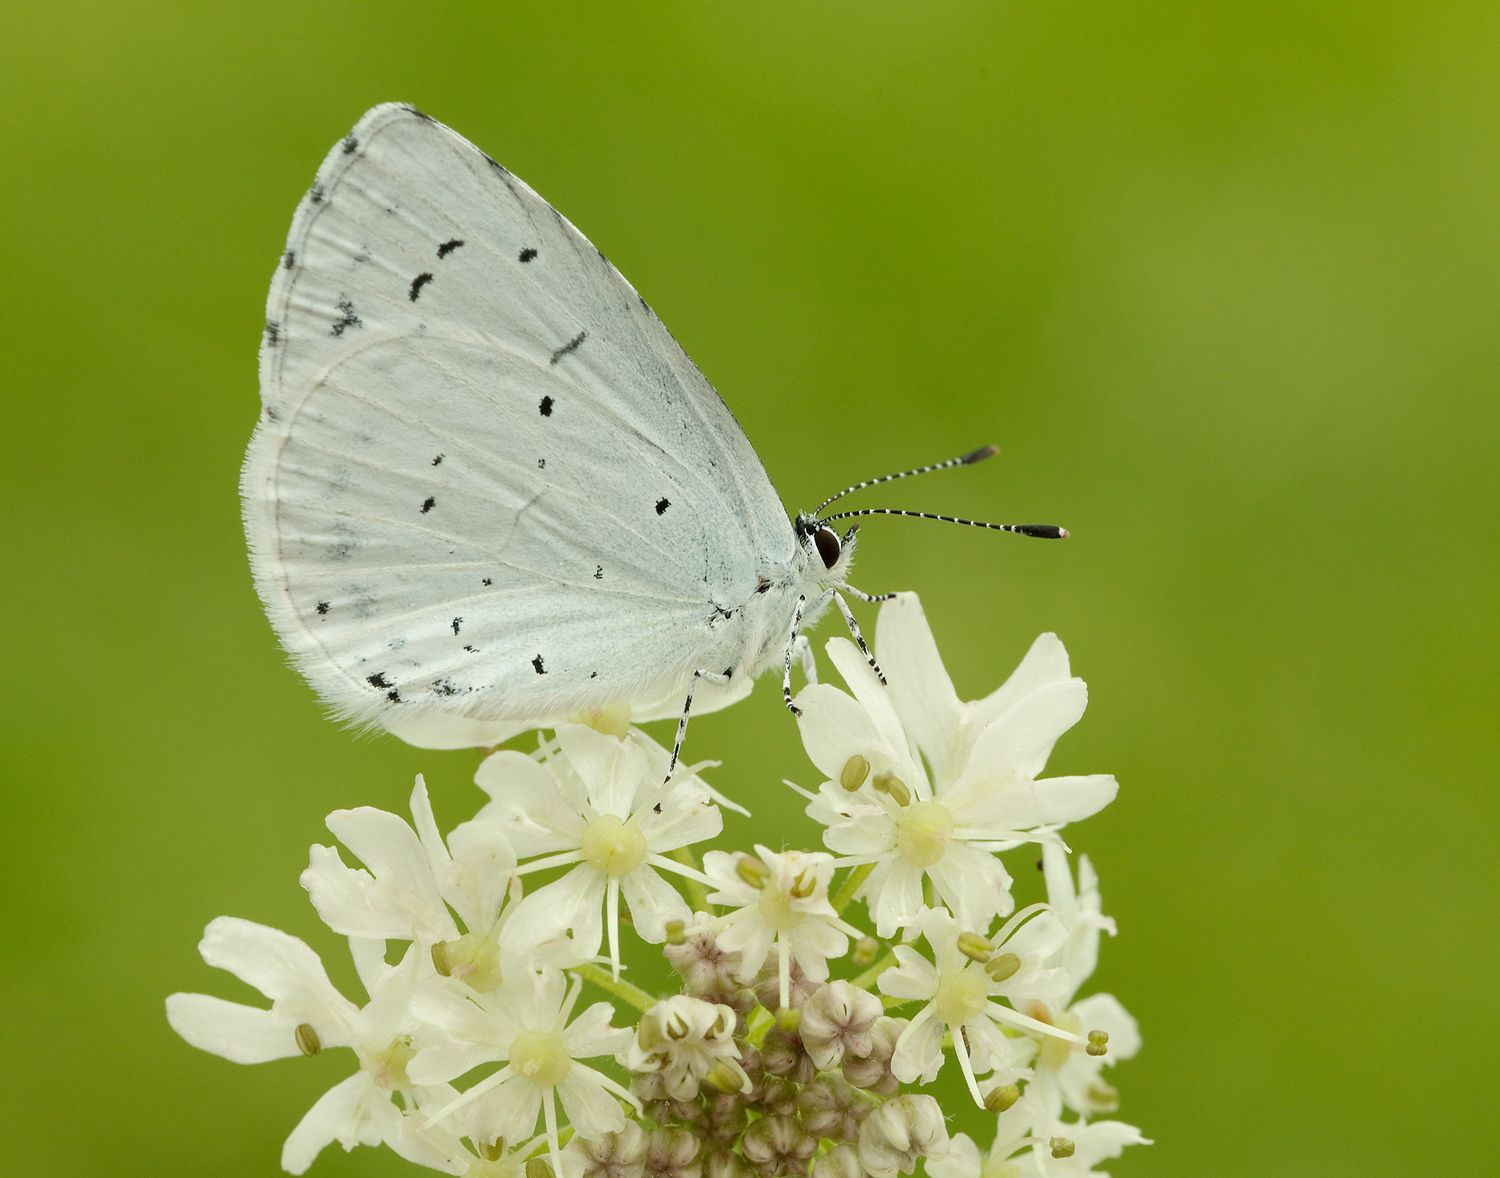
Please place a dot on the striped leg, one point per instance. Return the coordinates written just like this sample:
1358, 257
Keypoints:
717, 677
858, 637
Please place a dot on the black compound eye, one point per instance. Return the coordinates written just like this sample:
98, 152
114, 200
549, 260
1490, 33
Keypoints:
826, 540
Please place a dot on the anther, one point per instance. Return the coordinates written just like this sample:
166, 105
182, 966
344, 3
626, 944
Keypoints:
975, 947
854, 772
804, 885
889, 784
752, 871
1098, 1043
676, 932
307, 1039
1002, 966
1061, 1147
1000, 1099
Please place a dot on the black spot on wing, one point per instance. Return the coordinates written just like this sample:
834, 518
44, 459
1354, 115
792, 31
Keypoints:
315, 194
487, 581
599, 572
541, 464
527, 254
288, 259
571, 346
322, 607
471, 649
536, 665
546, 407
444, 687
418, 283
428, 504
347, 318
273, 332
457, 622
593, 674
438, 461
351, 144
378, 680
449, 246
662, 505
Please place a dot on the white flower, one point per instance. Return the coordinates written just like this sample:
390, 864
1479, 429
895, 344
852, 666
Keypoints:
524, 1025
683, 1039
1078, 908
1070, 1075
780, 901
901, 1132
308, 1015
1028, 1142
413, 878
922, 784
600, 806
961, 988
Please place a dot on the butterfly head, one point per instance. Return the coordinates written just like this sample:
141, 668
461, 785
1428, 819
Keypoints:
827, 552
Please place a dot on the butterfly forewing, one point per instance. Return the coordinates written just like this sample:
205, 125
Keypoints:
486, 480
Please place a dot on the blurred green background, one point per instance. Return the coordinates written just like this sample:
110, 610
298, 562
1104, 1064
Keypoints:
1220, 279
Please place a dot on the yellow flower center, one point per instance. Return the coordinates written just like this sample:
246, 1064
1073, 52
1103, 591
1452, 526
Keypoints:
473, 958
541, 1057
387, 1067
614, 847
922, 833
962, 996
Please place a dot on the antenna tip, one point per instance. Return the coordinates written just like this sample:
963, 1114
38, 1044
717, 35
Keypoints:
1043, 531
979, 455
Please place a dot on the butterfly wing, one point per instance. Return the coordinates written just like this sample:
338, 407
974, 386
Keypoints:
486, 481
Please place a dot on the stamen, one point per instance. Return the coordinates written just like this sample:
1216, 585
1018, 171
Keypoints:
307, 1039
1000, 1099
893, 787
975, 947
854, 772
752, 871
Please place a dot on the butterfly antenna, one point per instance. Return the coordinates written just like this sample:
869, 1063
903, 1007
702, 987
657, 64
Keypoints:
968, 459
1040, 531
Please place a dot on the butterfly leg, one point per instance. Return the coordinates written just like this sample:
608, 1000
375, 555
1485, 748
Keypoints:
717, 677
859, 638
868, 598
791, 642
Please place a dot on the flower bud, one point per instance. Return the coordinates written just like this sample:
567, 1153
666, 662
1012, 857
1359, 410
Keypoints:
782, 1055
839, 1162
873, 1072
899, 1133
778, 1145
838, 1020
673, 1153
706, 970
725, 1163
831, 1107
618, 1154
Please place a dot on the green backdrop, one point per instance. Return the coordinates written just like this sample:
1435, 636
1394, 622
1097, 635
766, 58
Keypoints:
1220, 279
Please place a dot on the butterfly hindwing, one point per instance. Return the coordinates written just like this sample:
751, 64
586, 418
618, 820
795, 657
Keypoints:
486, 480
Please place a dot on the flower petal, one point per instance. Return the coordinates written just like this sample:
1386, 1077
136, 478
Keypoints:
653, 902
353, 1112
238, 1033
591, 1109
282, 968
919, 687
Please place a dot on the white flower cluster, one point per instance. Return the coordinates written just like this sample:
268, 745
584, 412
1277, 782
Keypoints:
472, 1055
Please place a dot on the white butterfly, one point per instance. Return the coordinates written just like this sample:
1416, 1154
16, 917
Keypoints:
488, 491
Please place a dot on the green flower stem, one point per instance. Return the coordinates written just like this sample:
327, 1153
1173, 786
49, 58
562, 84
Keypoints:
620, 988
697, 893
867, 979
851, 885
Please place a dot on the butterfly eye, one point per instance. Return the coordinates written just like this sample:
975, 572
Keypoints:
826, 541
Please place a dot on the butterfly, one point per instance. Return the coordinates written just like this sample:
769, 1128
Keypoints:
487, 490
